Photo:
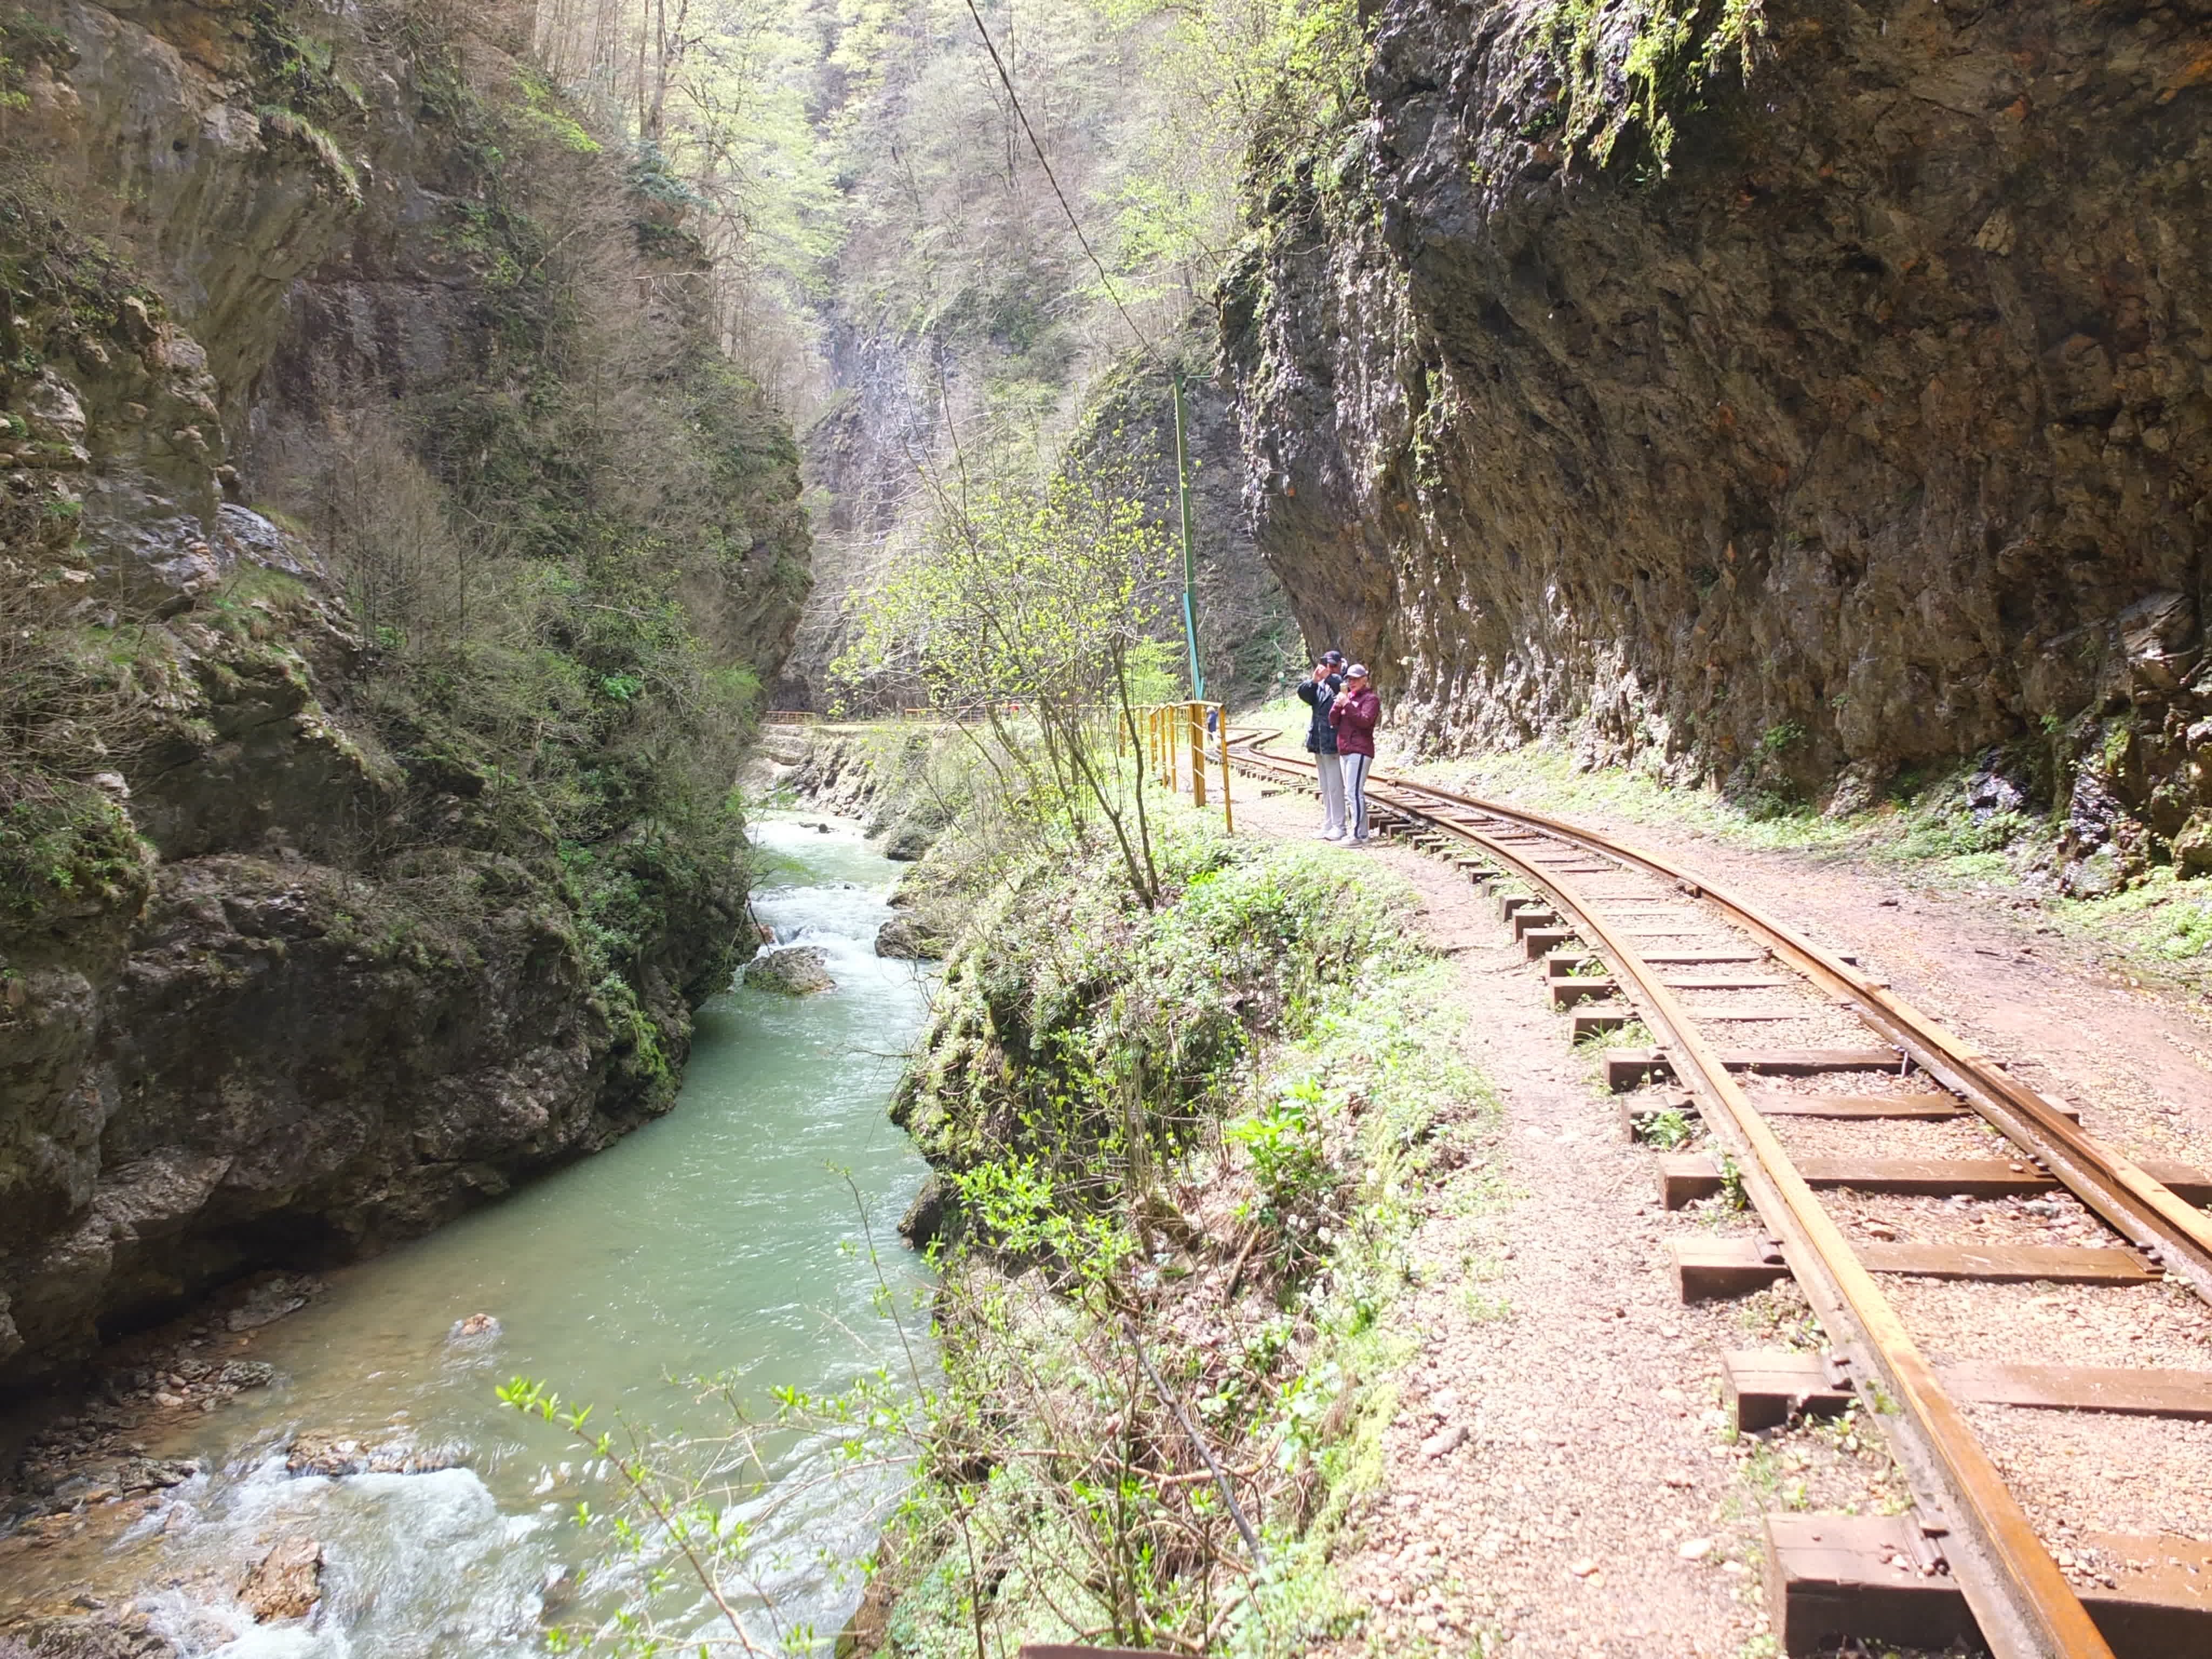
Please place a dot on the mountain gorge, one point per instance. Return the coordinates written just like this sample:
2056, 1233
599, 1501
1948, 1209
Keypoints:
403, 526
955, 323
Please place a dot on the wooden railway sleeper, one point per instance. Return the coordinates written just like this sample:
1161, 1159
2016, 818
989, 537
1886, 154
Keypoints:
2022, 1603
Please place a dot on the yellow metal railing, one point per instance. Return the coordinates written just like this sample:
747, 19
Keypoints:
1174, 737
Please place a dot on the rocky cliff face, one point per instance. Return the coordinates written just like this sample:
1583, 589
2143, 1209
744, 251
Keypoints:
1866, 423
385, 553
1249, 644
872, 504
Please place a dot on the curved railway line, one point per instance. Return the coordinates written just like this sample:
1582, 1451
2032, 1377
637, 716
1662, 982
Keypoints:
1824, 1096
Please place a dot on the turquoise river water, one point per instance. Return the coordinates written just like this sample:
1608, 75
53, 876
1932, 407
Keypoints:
721, 1238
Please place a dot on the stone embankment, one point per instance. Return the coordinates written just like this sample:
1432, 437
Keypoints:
1854, 415
898, 779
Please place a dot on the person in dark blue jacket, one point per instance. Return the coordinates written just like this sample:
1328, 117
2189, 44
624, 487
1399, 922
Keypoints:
1317, 692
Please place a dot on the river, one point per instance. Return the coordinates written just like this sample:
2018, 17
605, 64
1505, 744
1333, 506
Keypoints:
722, 1238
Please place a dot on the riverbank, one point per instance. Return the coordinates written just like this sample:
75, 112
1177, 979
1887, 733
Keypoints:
1180, 1150
358, 1411
1376, 1264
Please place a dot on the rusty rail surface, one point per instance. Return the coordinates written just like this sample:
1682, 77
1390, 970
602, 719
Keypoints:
2023, 1603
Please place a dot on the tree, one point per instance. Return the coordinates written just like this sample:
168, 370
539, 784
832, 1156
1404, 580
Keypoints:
1030, 614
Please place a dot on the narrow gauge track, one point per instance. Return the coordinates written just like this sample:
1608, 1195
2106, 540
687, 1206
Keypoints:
1638, 938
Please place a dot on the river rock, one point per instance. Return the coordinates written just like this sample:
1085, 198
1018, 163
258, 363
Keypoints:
286, 1583
907, 939
332, 1456
2192, 847
908, 842
796, 970
271, 1300
923, 1224
126, 1636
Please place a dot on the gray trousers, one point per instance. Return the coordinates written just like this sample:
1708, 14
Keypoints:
1355, 777
1332, 792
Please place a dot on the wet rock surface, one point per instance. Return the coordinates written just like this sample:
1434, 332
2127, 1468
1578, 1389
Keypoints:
1873, 430
118, 1635
285, 1584
925, 1220
315, 1453
794, 970
908, 938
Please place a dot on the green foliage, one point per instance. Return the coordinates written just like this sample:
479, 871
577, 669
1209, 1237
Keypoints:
1732, 1194
1669, 1129
546, 114
65, 284
1283, 1142
1632, 93
299, 130
1302, 66
1298, 1133
293, 71
69, 855
1043, 603
26, 40
1779, 740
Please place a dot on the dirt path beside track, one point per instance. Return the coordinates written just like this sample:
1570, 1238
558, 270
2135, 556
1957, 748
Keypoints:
1560, 1479
1559, 1448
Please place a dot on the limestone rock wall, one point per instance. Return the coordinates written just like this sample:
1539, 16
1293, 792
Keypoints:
295, 961
1874, 430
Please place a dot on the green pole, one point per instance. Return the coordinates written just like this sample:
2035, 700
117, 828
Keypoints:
1189, 561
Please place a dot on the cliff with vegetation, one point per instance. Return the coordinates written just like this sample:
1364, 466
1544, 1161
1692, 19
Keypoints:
1791, 395
392, 561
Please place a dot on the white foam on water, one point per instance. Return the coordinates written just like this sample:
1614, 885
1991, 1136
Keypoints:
414, 1566
720, 1238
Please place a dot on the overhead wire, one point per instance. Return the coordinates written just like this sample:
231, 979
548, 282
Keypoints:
1074, 223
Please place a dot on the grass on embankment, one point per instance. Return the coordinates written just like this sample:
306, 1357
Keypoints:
1185, 1143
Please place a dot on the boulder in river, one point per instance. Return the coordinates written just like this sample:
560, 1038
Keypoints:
792, 971
331, 1455
286, 1583
102, 1636
273, 1297
907, 939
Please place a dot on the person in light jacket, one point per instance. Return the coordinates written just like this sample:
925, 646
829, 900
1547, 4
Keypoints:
1317, 693
1353, 714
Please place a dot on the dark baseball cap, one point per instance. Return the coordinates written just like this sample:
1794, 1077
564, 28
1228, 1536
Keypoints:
1333, 658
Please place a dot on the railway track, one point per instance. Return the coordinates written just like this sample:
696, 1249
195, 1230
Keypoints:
1888, 1166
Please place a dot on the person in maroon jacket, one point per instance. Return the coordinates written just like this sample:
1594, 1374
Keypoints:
1353, 716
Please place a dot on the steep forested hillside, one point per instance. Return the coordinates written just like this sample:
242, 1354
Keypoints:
392, 561
933, 317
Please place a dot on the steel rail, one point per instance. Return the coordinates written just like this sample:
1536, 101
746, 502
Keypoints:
2135, 1204
2023, 1602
